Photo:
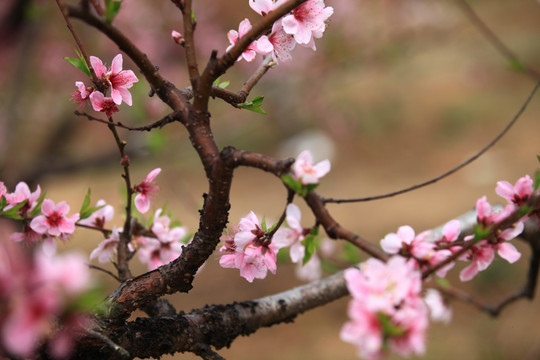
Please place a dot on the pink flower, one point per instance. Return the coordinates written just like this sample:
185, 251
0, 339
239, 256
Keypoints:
263, 7
54, 222
166, 248
117, 79
233, 36
22, 193
106, 250
146, 189
81, 95
306, 172
100, 216
40, 299
101, 103
248, 250
481, 256
293, 236
386, 308
278, 43
307, 21
517, 194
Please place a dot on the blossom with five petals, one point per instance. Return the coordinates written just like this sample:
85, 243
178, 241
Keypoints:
307, 21
233, 36
53, 221
306, 172
117, 79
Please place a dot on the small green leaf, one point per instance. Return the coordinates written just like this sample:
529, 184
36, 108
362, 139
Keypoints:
310, 245
224, 84
292, 183
112, 7
480, 233
87, 212
3, 202
254, 105
79, 64
516, 65
13, 212
86, 202
263, 224
443, 282
37, 208
536, 179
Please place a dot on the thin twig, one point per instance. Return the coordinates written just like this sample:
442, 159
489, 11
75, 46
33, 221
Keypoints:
116, 348
64, 12
172, 117
495, 40
451, 171
105, 271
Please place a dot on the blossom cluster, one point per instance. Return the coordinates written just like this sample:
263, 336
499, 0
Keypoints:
430, 250
115, 79
40, 296
44, 221
387, 310
301, 26
252, 248
161, 245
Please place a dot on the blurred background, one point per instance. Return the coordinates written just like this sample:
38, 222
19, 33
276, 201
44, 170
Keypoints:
397, 92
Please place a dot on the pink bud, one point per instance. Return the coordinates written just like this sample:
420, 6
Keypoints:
177, 37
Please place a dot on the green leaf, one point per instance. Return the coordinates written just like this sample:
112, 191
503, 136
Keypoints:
254, 105
443, 282
85, 214
112, 7
480, 233
311, 246
37, 208
292, 183
536, 179
224, 84
516, 65
80, 64
263, 224
13, 212
3, 202
86, 202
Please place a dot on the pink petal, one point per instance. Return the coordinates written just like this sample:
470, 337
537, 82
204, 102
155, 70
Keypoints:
391, 243
322, 168
47, 207
505, 190
152, 175
62, 208
468, 273
39, 224
244, 27
508, 252
98, 66
97, 99
264, 46
116, 65
232, 35
142, 203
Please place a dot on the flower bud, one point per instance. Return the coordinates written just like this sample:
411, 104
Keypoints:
177, 37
